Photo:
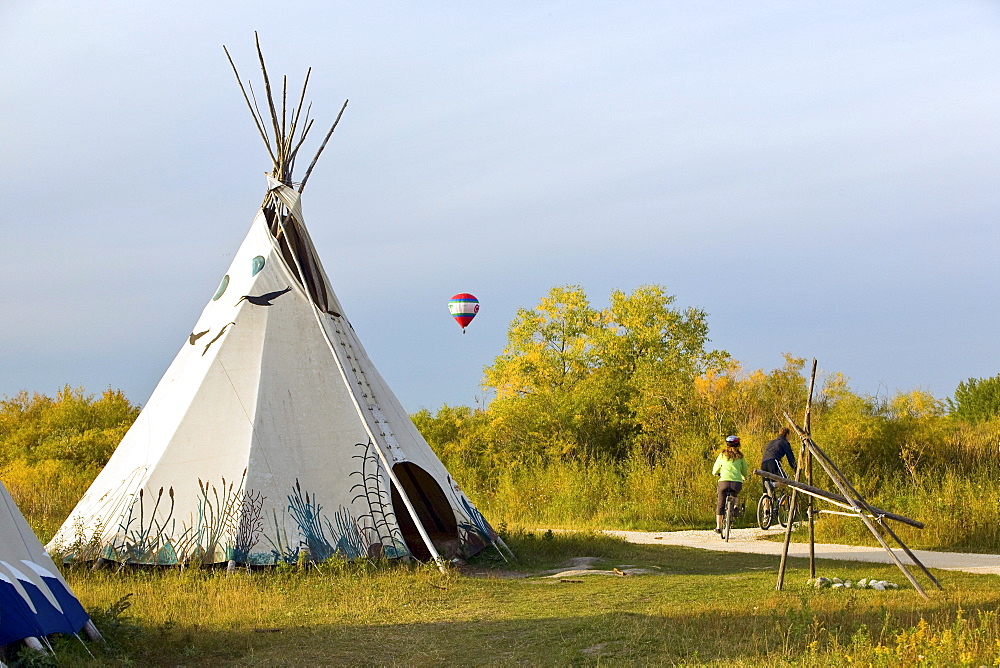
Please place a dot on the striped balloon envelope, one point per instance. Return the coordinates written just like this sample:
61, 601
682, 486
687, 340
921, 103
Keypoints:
464, 308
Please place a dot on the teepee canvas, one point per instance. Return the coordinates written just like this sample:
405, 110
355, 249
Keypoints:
271, 433
35, 600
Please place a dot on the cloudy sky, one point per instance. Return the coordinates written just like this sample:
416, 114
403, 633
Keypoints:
820, 177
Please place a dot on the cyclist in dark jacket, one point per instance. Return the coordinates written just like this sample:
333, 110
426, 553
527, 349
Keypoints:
771, 459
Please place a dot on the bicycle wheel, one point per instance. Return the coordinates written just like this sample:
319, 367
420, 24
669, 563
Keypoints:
727, 521
764, 512
783, 510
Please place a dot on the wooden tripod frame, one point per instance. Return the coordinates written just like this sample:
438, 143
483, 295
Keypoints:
849, 498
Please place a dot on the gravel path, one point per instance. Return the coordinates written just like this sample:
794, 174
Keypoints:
748, 540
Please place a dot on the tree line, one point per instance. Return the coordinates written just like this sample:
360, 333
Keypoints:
597, 416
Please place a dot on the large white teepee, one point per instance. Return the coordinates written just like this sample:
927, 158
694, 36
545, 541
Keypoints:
271, 433
35, 600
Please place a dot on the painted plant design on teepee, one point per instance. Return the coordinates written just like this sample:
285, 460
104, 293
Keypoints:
149, 533
370, 535
145, 541
372, 489
218, 518
283, 549
475, 532
306, 513
251, 527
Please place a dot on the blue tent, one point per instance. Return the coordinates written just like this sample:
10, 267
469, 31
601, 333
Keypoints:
35, 600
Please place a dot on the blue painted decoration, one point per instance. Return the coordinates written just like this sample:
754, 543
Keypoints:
222, 288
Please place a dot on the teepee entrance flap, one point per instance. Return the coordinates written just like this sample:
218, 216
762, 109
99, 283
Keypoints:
433, 510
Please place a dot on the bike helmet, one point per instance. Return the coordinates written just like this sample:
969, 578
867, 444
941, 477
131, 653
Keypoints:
733, 441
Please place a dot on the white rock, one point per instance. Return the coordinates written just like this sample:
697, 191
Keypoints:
838, 581
878, 586
838, 585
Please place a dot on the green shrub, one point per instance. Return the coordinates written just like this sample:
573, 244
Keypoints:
976, 400
51, 449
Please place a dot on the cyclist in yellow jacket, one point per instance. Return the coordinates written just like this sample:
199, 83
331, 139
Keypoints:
732, 470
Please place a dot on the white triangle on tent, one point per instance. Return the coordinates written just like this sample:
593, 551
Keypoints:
16, 582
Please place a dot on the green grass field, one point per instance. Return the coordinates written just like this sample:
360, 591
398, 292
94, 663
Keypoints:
699, 608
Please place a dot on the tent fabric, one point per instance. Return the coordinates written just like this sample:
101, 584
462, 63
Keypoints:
34, 598
271, 433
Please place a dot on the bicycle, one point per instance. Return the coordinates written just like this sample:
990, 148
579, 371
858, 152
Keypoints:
734, 509
765, 511
775, 506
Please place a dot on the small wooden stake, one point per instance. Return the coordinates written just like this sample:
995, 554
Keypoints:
35, 644
92, 633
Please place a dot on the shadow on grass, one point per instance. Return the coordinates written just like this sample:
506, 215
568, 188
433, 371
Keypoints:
677, 635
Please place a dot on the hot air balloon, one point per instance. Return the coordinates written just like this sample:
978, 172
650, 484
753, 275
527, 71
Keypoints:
464, 308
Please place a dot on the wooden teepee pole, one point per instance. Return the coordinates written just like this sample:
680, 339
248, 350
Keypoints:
280, 162
322, 146
253, 111
880, 519
838, 500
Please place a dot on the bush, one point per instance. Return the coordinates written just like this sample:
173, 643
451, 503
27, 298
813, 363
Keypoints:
74, 426
51, 449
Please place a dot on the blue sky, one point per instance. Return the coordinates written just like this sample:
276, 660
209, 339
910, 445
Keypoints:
819, 177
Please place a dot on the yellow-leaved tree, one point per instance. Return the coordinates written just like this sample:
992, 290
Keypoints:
577, 381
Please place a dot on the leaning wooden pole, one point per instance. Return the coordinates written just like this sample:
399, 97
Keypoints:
791, 519
837, 499
857, 503
805, 461
811, 508
909, 553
